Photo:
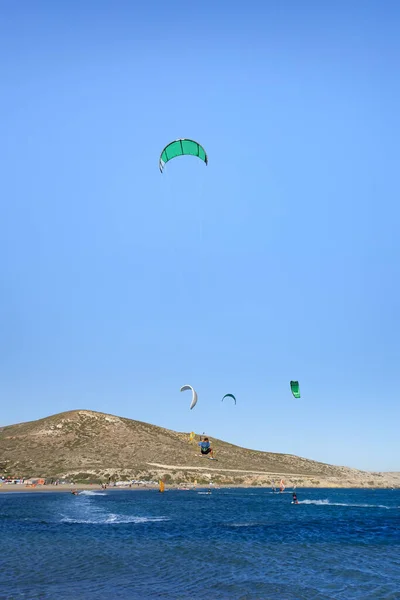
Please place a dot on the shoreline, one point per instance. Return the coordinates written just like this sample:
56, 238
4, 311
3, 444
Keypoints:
63, 488
83, 487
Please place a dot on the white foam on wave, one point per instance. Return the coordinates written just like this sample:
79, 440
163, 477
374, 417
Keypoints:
90, 512
80, 521
114, 519
91, 493
327, 502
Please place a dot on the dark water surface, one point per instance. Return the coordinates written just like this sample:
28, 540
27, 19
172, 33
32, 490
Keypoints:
241, 544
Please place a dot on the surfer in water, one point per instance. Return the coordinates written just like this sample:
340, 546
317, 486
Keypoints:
205, 448
295, 501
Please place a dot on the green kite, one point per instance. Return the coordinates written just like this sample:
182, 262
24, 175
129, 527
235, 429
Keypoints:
182, 147
295, 387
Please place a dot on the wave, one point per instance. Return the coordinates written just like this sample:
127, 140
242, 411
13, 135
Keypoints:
91, 493
114, 519
251, 524
329, 503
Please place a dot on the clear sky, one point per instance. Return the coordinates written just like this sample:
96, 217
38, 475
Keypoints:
278, 261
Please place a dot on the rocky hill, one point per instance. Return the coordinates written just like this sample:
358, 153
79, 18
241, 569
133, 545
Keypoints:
86, 445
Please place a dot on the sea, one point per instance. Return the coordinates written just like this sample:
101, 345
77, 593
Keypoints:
244, 544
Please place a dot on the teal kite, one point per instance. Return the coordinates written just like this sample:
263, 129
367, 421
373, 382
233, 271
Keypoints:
182, 147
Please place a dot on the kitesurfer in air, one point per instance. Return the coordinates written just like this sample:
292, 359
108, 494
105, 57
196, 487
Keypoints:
205, 447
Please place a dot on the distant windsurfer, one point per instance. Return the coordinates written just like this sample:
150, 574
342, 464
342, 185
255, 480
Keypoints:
205, 447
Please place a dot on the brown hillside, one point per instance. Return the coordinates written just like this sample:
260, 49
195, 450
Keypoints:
91, 445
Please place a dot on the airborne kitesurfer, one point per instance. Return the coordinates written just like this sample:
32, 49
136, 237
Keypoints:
205, 447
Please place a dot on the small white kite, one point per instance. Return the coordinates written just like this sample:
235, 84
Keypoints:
194, 394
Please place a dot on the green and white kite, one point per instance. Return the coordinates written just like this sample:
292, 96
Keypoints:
182, 147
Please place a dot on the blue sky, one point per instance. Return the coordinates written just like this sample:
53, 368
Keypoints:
278, 261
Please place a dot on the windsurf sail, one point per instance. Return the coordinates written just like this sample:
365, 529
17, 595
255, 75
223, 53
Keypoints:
162, 486
282, 486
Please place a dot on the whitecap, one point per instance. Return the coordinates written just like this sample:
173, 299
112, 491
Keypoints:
326, 502
113, 519
120, 519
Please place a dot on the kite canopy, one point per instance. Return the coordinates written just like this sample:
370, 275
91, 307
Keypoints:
194, 394
179, 148
294, 386
229, 396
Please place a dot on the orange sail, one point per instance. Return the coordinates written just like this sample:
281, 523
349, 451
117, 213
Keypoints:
162, 486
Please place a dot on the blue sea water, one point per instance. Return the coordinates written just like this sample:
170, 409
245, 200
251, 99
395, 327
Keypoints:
241, 544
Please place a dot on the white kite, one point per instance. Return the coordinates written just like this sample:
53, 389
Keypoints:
194, 394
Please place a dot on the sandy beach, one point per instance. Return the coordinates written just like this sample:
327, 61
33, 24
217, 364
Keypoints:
391, 481
13, 488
